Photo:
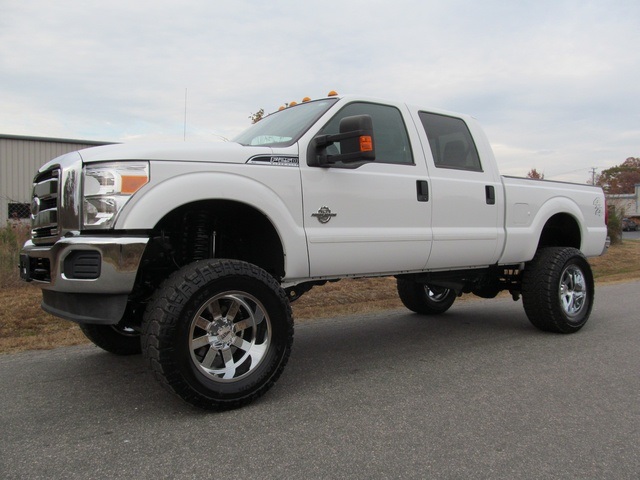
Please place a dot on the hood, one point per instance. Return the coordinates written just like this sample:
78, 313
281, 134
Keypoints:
223, 152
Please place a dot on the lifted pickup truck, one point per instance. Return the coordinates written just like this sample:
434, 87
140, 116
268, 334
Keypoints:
192, 253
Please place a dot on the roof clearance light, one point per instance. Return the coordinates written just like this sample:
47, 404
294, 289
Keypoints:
306, 99
282, 107
293, 104
332, 93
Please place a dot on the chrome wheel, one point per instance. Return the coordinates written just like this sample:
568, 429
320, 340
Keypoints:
572, 291
229, 336
425, 299
436, 294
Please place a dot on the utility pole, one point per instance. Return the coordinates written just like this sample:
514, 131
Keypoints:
593, 175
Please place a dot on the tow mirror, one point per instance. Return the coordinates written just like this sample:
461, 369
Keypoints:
355, 140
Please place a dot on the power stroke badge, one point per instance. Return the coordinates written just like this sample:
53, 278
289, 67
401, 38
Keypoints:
324, 214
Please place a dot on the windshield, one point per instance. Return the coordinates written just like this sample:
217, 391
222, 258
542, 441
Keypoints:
286, 126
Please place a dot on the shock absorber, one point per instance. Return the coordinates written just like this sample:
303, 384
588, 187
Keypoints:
201, 242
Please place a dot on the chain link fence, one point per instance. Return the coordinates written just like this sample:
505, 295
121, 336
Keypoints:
13, 234
18, 211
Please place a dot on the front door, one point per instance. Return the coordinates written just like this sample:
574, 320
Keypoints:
369, 219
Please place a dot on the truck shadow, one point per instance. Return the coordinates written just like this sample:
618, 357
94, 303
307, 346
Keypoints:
327, 352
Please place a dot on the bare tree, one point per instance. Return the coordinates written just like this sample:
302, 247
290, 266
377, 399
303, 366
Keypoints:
256, 117
533, 173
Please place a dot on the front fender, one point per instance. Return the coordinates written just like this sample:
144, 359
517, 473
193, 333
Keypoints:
275, 191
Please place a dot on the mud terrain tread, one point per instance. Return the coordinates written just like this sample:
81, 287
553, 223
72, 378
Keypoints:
164, 314
540, 283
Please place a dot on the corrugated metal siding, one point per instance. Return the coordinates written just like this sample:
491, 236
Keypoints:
20, 159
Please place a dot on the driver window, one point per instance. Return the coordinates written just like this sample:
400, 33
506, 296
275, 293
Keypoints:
390, 134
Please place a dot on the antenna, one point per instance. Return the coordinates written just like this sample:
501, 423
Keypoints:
184, 138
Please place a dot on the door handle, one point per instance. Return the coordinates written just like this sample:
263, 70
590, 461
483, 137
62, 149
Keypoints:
490, 192
422, 187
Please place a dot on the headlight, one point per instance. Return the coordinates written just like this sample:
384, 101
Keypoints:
106, 189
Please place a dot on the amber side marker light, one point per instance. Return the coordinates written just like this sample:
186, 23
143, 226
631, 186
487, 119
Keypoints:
132, 183
366, 143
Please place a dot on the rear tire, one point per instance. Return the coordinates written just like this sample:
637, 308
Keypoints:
424, 299
558, 290
218, 333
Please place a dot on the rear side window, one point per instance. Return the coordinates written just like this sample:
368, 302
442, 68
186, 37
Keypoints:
390, 134
451, 143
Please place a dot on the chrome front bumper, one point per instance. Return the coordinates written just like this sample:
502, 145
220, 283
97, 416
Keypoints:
84, 279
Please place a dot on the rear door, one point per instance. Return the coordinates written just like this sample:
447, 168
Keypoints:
466, 192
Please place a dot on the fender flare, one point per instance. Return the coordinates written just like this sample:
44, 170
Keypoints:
522, 242
155, 201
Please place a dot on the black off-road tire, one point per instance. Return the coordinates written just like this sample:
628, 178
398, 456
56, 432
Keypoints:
218, 333
116, 339
423, 299
558, 290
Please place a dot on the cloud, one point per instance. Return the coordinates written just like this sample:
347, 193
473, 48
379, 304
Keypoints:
554, 83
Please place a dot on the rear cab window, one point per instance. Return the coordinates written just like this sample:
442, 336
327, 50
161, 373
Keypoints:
451, 143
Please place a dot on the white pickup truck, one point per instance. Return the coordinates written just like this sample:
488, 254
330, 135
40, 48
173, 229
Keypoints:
192, 253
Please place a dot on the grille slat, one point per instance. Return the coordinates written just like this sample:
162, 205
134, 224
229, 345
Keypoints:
44, 207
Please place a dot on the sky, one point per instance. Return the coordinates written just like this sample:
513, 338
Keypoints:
555, 83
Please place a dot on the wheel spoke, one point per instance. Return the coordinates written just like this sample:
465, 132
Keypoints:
202, 323
209, 358
233, 311
229, 364
199, 342
242, 325
258, 315
242, 344
214, 309
257, 352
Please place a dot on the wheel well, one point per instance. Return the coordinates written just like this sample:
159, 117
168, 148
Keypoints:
561, 230
210, 229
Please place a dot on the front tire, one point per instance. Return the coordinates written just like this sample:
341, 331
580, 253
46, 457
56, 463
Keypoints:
117, 339
558, 290
218, 333
424, 299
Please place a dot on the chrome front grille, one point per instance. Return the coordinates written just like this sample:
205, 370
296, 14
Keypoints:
44, 207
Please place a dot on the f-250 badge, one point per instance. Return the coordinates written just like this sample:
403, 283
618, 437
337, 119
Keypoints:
324, 214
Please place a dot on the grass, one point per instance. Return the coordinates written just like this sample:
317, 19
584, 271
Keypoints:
12, 237
24, 326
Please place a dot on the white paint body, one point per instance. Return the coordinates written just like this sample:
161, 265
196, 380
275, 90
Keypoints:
379, 226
